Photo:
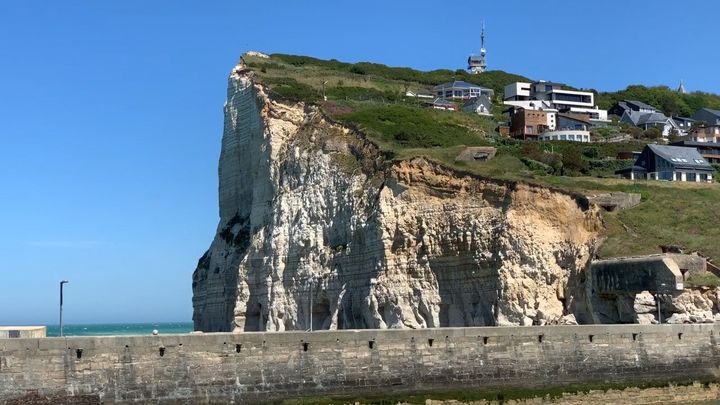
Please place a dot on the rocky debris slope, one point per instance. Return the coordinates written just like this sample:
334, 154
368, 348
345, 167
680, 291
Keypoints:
318, 230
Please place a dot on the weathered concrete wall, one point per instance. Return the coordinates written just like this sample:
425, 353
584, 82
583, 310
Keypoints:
252, 367
636, 274
615, 201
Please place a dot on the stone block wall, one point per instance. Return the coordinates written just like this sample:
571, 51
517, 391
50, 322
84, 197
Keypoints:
253, 367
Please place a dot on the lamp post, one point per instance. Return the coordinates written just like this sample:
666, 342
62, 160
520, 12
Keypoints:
657, 296
61, 305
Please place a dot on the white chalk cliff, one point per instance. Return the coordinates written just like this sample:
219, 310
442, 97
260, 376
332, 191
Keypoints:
319, 229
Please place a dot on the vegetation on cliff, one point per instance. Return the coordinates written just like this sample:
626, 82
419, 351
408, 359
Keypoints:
371, 98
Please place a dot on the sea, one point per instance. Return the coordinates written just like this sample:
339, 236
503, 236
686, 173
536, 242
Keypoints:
120, 329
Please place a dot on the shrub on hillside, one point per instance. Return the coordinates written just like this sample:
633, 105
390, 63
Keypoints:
287, 88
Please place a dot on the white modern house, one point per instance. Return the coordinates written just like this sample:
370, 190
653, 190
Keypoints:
544, 95
574, 128
458, 89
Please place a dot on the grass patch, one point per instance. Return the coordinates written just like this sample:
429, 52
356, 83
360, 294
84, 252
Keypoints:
499, 395
703, 280
398, 126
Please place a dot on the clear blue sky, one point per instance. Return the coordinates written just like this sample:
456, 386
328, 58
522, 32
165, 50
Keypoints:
111, 116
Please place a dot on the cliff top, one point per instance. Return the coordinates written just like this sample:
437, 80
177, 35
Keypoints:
372, 99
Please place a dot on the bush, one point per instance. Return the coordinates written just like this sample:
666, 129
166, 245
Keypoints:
538, 167
290, 89
652, 133
361, 93
410, 126
573, 163
607, 167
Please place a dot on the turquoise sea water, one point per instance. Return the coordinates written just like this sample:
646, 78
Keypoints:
121, 329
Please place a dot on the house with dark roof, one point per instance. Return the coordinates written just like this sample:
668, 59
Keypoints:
646, 120
479, 105
706, 139
710, 151
685, 124
671, 163
461, 90
708, 116
621, 107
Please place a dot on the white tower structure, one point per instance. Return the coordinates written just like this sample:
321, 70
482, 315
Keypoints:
681, 89
477, 64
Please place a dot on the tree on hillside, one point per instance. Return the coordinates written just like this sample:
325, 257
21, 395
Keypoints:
652, 133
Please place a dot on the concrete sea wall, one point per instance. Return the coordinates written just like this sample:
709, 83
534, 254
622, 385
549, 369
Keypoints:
255, 367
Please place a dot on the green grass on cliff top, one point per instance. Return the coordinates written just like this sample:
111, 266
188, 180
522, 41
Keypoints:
371, 98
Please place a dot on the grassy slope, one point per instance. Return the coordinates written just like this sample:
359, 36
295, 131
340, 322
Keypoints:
370, 97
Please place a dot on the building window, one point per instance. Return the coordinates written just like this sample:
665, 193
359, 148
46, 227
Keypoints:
529, 129
691, 177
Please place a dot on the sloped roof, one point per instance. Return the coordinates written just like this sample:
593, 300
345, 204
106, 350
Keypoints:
576, 118
483, 99
695, 144
686, 119
640, 104
681, 157
652, 118
711, 111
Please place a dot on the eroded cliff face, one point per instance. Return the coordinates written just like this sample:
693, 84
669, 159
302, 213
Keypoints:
318, 230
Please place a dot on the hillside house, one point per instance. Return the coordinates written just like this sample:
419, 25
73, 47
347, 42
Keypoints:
548, 95
706, 140
671, 163
621, 107
708, 116
645, 120
569, 127
685, 124
710, 151
461, 90
706, 133
478, 105
528, 124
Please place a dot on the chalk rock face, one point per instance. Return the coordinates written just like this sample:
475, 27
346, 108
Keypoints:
318, 230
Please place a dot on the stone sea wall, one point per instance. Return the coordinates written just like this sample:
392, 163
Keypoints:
256, 367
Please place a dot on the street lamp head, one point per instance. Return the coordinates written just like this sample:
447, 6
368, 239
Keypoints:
64, 282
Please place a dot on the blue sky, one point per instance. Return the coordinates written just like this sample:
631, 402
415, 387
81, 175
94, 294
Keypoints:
111, 116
